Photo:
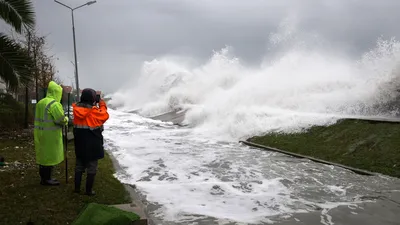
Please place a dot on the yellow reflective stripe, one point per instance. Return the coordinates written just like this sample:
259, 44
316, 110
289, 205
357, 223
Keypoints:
86, 127
60, 120
47, 109
47, 128
43, 121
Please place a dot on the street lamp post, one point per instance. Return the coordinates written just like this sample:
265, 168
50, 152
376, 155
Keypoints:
74, 67
71, 78
73, 35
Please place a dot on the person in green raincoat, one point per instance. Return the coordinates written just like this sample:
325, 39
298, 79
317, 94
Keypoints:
49, 123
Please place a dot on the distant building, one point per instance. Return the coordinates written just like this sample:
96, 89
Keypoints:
67, 89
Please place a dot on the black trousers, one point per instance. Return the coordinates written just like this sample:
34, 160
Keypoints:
90, 167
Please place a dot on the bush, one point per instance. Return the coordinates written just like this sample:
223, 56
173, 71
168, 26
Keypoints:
12, 112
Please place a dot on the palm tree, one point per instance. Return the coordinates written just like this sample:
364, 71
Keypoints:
15, 62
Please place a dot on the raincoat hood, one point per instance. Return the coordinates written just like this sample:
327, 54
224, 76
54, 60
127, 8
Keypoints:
54, 91
81, 110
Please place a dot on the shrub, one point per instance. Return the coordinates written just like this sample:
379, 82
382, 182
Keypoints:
12, 112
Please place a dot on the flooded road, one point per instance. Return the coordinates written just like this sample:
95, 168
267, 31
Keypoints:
185, 177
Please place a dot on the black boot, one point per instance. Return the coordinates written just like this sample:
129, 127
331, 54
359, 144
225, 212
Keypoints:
78, 179
42, 174
45, 173
55, 181
89, 184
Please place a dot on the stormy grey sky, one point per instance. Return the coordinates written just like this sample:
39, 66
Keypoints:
114, 37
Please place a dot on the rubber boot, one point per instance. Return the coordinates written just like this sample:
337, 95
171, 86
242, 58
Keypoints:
46, 177
54, 181
78, 180
89, 184
42, 174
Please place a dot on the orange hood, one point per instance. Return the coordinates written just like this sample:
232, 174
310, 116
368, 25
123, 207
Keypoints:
81, 112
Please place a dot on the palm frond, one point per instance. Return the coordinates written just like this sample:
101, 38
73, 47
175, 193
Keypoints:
15, 63
18, 13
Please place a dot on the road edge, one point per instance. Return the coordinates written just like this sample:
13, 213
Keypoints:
133, 194
268, 148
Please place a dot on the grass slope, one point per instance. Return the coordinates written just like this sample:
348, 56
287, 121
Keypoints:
22, 198
373, 146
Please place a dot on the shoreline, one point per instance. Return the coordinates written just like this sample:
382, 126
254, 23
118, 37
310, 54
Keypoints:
136, 205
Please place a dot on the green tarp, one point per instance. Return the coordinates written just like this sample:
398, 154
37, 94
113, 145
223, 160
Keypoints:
97, 214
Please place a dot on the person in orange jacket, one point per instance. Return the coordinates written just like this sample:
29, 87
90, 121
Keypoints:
88, 128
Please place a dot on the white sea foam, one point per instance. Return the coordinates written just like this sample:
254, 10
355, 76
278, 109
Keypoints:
191, 174
190, 177
294, 88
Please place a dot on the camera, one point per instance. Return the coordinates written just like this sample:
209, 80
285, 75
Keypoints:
97, 98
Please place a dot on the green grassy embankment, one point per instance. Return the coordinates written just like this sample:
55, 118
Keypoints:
22, 198
367, 145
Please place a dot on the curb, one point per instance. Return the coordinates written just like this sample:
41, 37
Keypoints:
374, 119
134, 195
355, 170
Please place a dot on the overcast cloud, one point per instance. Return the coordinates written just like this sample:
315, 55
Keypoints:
114, 37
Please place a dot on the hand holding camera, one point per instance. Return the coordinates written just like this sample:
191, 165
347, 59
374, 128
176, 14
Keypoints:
98, 98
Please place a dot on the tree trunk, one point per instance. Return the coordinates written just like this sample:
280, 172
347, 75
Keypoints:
26, 122
36, 75
36, 89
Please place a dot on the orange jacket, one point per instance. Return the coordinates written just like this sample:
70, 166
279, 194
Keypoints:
88, 127
86, 116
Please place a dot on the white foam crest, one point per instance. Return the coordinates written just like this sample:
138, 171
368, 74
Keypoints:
227, 98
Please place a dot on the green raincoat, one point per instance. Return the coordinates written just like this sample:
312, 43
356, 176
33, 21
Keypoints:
49, 121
